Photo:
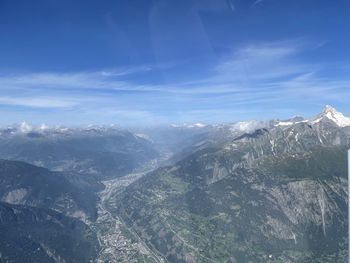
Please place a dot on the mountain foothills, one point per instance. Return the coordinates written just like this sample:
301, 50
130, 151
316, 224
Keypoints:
255, 191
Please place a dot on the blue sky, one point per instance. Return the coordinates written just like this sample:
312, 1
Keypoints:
141, 62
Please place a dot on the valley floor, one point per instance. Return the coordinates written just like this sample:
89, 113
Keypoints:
118, 242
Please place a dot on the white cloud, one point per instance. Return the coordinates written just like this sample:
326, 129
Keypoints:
263, 61
38, 102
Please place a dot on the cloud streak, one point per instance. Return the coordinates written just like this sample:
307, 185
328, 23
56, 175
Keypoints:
253, 76
38, 102
257, 2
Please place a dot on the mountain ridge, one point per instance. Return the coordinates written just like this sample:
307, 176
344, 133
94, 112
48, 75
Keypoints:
278, 193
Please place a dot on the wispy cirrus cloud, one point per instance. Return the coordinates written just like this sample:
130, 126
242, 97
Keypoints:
253, 76
264, 62
39, 102
257, 2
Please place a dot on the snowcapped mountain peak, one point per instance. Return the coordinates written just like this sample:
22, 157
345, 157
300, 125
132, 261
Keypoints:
198, 125
43, 127
25, 127
332, 114
329, 109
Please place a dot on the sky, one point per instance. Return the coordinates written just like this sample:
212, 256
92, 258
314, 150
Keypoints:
152, 62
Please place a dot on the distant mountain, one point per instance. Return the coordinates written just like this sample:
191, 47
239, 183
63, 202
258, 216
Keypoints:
29, 234
275, 194
182, 140
103, 152
25, 184
331, 114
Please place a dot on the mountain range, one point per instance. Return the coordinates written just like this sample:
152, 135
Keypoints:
102, 152
277, 194
257, 191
